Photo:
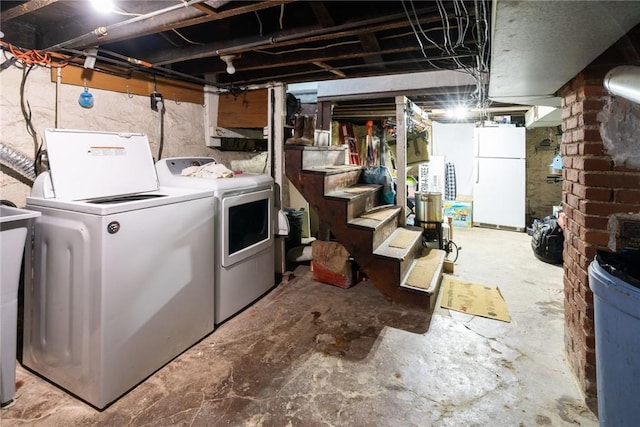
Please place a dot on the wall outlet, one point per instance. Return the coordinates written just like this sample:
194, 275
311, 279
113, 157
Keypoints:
156, 99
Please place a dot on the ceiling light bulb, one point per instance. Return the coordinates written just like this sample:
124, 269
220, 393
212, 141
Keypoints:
228, 59
103, 6
457, 113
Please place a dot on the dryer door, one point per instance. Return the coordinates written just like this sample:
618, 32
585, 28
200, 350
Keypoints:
246, 225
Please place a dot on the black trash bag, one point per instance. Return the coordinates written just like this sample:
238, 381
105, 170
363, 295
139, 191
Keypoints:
547, 240
623, 265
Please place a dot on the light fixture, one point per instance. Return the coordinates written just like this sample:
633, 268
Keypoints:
228, 59
103, 6
458, 113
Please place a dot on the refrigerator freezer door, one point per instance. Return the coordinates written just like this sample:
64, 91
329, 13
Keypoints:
499, 193
504, 142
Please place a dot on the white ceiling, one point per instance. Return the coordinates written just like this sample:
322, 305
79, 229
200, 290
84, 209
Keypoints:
538, 46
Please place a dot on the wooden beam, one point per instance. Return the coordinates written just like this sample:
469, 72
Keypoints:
401, 157
370, 44
322, 14
368, 40
211, 7
138, 84
282, 39
329, 68
24, 8
202, 7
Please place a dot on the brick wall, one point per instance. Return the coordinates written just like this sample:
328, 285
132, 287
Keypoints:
593, 189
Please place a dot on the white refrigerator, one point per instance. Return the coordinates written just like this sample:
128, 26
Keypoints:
500, 177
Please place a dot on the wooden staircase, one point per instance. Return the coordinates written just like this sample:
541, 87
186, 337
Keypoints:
392, 256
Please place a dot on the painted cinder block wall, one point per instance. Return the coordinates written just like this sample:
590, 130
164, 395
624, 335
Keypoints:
593, 189
115, 112
542, 193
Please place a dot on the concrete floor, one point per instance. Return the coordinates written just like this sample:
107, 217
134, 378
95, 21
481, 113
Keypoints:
312, 354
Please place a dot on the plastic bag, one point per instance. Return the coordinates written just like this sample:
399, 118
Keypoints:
547, 240
622, 265
380, 175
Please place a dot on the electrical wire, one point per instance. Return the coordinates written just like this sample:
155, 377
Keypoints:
26, 113
32, 56
122, 12
415, 13
259, 21
302, 49
186, 39
451, 45
444, 16
414, 29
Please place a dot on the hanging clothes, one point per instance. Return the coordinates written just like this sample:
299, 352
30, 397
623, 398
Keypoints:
450, 181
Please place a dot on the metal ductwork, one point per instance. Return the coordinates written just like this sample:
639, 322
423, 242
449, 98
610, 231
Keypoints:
17, 161
624, 81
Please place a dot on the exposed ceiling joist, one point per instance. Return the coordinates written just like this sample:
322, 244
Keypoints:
24, 9
283, 39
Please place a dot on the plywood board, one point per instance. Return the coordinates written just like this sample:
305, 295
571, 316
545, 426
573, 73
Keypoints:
243, 110
137, 84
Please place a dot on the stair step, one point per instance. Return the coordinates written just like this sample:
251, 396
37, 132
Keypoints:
355, 199
375, 218
332, 169
310, 155
400, 244
314, 155
425, 274
354, 192
379, 223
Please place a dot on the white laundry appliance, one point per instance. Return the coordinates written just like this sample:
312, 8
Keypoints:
119, 281
14, 226
500, 177
245, 250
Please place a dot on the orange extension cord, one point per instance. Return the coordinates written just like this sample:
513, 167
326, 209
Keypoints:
34, 57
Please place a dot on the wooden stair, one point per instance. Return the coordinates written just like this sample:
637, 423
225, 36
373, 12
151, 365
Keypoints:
392, 256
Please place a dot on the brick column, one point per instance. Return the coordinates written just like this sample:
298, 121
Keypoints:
593, 189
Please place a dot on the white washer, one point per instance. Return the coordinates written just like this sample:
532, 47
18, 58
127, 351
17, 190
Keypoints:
244, 259
119, 281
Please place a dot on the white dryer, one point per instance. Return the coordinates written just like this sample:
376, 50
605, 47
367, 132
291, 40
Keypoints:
245, 251
119, 281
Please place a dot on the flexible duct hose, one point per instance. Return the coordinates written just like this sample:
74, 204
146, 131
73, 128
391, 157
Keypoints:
17, 161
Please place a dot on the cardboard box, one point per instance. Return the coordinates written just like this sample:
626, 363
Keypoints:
460, 212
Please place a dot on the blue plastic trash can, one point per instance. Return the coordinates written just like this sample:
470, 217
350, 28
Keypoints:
617, 328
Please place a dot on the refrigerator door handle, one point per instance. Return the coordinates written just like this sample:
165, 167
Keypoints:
477, 170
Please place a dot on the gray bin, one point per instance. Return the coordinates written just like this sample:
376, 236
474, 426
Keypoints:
14, 224
617, 329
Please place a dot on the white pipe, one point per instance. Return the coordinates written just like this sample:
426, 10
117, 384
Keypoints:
101, 33
624, 81
58, 96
